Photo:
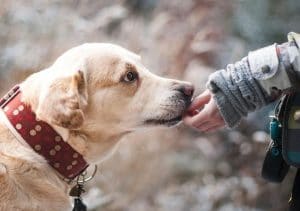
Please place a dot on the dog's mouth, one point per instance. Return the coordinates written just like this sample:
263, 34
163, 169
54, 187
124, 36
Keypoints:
173, 112
167, 122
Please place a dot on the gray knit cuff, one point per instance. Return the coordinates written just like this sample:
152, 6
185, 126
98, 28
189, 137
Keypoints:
227, 111
231, 117
236, 92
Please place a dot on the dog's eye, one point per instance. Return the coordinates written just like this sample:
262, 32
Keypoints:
130, 76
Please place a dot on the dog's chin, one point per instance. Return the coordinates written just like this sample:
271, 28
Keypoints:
173, 116
163, 122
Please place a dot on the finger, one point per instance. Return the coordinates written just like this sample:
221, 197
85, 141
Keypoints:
211, 122
198, 119
188, 120
207, 126
213, 129
200, 101
191, 113
203, 124
210, 127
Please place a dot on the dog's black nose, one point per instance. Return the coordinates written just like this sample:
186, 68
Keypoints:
186, 89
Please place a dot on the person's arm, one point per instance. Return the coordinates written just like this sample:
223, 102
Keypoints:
247, 85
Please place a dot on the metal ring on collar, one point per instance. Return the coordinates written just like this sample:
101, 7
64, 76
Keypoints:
83, 175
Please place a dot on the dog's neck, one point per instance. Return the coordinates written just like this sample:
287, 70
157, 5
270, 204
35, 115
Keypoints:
100, 142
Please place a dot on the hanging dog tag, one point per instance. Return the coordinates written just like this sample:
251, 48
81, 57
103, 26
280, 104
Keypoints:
77, 190
79, 205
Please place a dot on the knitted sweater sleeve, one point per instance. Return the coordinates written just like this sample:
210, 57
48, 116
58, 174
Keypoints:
255, 81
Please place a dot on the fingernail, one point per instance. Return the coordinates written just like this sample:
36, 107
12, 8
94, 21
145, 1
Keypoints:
192, 113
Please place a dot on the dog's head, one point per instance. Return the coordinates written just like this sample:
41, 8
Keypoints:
103, 86
96, 93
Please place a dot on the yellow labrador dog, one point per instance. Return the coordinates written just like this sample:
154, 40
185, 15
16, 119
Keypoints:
92, 96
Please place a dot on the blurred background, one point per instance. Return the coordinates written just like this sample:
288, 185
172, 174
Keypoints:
174, 169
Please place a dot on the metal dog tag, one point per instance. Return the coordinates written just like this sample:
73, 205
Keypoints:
77, 190
79, 205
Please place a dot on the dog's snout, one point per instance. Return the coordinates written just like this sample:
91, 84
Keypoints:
186, 89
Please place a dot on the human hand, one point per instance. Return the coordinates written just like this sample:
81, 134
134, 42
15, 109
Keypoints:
203, 113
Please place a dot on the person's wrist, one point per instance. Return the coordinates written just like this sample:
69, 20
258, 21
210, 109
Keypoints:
278, 51
282, 51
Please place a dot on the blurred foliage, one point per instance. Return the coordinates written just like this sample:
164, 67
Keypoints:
163, 169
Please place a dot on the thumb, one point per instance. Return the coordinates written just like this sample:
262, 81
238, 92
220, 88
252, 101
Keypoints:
200, 101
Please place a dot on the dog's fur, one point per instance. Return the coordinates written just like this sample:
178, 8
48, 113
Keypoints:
86, 97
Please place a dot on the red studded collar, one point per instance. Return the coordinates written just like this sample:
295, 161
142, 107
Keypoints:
40, 136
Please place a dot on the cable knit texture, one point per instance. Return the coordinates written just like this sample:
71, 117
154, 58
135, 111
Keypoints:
236, 92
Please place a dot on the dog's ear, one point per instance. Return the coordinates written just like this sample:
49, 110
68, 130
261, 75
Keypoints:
63, 101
